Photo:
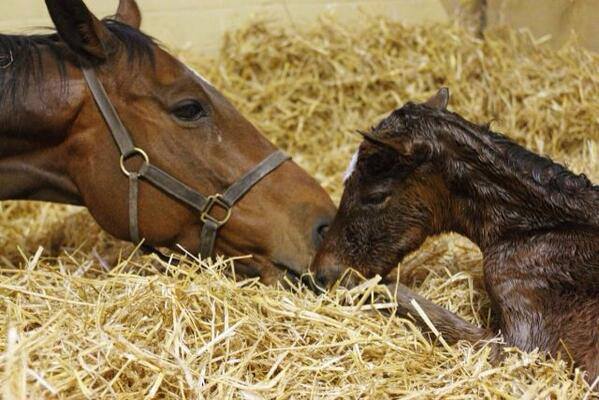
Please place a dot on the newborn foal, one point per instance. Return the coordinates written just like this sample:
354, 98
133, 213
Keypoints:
424, 171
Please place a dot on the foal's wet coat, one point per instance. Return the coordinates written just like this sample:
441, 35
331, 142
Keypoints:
424, 171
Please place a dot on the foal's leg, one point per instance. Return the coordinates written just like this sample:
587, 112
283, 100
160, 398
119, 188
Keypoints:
451, 326
408, 276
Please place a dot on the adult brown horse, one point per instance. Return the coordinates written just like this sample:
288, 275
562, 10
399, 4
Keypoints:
424, 171
57, 143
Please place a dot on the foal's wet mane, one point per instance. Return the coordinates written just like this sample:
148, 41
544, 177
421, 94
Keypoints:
493, 155
22, 64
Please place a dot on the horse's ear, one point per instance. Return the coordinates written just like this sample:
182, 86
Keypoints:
440, 101
85, 34
407, 148
375, 141
129, 13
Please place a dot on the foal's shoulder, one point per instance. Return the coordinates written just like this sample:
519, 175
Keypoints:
564, 258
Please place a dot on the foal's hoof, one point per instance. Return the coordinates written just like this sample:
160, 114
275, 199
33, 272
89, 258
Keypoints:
497, 355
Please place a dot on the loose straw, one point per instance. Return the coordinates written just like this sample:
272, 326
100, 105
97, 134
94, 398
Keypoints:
83, 318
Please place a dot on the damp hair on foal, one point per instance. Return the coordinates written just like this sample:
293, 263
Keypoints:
455, 142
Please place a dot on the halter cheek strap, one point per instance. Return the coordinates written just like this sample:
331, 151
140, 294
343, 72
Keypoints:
168, 184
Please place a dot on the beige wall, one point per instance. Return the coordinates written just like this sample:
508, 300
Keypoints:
199, 24
552, 20
557, 18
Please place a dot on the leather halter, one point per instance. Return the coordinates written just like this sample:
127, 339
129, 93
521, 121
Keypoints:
174, 187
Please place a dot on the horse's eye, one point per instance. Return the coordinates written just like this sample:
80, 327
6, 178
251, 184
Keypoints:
189, 111
377, 198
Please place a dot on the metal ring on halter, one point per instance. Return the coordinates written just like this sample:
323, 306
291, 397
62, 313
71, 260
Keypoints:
135, 152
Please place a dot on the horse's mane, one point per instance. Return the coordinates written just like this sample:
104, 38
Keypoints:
22, 64
550, 182
540, 170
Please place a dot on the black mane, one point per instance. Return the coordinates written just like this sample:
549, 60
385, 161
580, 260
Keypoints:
541, 170
468, 151
22, 64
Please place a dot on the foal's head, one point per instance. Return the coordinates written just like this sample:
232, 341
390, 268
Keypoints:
393, 196
186, 127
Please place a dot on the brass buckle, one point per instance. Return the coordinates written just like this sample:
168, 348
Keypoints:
216, 200
135, 152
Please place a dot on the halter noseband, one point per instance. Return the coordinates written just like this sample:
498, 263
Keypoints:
174, 187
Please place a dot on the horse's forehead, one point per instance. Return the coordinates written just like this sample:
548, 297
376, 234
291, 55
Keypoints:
198, 75
174, 67
351, 167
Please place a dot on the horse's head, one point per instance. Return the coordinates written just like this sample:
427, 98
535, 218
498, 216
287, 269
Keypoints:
394, 197
187, 129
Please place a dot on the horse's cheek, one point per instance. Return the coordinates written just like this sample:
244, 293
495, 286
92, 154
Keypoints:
94, 167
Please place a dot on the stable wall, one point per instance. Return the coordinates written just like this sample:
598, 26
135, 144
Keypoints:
200, 24
553, 20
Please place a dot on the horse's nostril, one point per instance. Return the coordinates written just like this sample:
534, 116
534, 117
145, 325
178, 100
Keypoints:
320, 230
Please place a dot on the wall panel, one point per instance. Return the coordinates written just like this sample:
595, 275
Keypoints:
199, 24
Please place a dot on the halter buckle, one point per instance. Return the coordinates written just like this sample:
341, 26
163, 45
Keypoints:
213, 201
135, 152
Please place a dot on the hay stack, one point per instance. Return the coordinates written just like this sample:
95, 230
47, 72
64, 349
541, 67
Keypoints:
310, 90
73, 329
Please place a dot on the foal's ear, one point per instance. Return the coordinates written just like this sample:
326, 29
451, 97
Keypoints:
129, 13
440, 101
412, 150
85, 34
375, 141
407, 148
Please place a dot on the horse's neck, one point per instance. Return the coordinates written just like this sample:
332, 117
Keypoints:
489, 207
33, 153
39, 175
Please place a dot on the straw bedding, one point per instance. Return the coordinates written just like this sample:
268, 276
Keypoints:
83, 319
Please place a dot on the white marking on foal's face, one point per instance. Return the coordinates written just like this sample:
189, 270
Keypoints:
352, 167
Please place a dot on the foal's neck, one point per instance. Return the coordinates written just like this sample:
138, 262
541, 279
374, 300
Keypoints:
488, 206
34, 120
498, 189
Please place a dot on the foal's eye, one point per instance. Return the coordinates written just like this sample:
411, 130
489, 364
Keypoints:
377, 198
189, 111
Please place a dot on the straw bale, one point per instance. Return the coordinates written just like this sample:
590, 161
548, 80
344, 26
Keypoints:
81, 318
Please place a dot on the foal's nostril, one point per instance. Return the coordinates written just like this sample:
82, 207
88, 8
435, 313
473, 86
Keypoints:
321, 280
320, 230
